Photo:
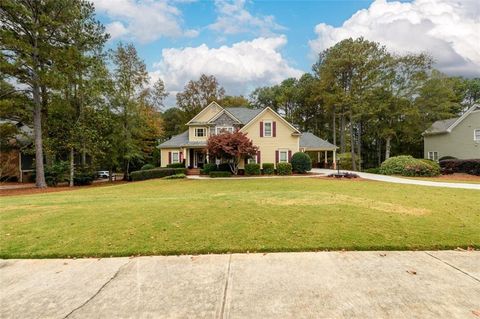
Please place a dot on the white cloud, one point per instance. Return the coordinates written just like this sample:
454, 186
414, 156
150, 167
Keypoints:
116, 29
239, 68
143, 20
447, 29
233, 18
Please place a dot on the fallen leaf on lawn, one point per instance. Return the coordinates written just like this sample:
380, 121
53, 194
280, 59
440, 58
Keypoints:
412, 272
476, 312
193, 258
470, 248
264, 254
383, 255
459, 249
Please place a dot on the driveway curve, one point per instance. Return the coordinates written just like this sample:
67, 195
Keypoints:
400, 180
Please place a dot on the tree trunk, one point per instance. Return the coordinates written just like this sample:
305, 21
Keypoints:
72, 166
127, 168
37, 130
334, 125
387, 147
352, 143
359, 146
110, 177
342, 133
379, 151
84, 157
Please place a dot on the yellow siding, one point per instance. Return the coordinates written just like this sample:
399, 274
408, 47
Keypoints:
191, 133
207, 113
268, 145
164, 154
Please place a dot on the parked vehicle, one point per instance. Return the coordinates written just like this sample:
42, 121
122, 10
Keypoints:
105, 174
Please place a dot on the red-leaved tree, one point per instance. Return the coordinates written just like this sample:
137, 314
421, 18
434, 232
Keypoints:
231, 147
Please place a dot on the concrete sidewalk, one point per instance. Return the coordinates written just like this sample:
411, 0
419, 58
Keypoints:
440, 284
400, 180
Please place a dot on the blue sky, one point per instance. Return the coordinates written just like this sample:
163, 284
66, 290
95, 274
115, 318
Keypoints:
247, 44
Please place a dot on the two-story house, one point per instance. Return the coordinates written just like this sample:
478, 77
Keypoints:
275, 138
457, 137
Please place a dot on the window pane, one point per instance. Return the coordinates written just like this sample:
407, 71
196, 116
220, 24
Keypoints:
477, 135
175, 157
268, 129
283, 156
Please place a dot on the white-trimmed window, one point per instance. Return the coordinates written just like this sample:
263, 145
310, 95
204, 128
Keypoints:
283, 156
252, 160
200, 132
267, 128
175, 157
433, 156
223, 129
476, 134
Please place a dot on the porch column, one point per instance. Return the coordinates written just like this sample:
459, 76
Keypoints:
334, 159
325, 160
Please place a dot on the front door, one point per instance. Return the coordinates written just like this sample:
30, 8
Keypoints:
200, 159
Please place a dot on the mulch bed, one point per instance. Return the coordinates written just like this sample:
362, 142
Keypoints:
34, 190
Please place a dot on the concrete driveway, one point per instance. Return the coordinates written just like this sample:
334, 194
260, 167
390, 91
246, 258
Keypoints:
440, 284
400, 180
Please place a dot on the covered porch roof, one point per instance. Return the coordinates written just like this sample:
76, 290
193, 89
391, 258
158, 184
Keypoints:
311, 142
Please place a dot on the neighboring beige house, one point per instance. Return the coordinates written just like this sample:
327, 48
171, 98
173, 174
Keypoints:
458, 137
275, 138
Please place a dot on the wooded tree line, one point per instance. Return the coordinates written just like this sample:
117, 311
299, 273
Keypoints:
82, 101
368, 101
95, 108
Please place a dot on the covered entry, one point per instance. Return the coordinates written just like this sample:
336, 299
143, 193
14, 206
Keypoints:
322, 152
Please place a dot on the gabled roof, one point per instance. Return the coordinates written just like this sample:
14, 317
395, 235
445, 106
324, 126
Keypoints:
243, 114
209, 106
310, 141
296, 131
176, 141
446, 126
224, 111
181, 140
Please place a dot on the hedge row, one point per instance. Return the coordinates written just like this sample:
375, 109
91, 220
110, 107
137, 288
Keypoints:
284, 169
220, 174
156, 173
252, 169
176, 165
470, 166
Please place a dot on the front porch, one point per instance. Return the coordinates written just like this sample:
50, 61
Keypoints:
195, 158
322, 158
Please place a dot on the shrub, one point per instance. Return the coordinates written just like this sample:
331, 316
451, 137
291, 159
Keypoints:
83, 176
301, 163
470, 166
176, 165
224, 167
373, 170
284, 169
406, 165
147, 166
207, 168
220, 174
56, 173
156, 173
345, 161
176, 176
268, 168
446, 158
252, 169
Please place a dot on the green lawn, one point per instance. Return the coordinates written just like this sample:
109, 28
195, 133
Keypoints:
206, 216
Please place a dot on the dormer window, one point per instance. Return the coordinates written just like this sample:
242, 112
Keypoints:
200, 132
223, 129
